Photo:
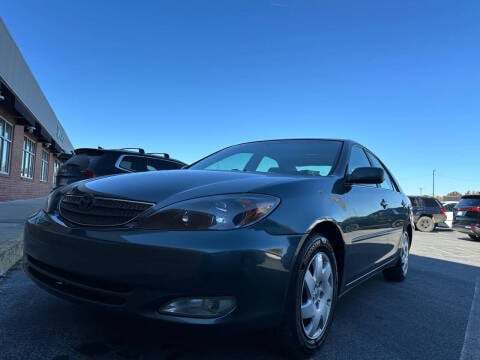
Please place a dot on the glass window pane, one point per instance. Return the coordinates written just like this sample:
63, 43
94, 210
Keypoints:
289, 154
234, 162
8, 132
358, 159
154, 164
431, 202
386, 184
314, 170
3, 152
266, 164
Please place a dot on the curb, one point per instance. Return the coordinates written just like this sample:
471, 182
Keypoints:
11, 252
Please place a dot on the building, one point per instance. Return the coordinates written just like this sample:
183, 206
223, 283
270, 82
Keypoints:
33, 143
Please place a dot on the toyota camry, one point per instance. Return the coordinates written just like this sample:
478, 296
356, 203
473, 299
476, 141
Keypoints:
268, 232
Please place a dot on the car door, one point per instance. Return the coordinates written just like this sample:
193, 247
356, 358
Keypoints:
366, 229
395, 208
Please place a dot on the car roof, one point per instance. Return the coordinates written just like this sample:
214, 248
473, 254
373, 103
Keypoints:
471, 196
295, 139
129, 151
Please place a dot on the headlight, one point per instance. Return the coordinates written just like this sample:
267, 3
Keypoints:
221, 212
52, 201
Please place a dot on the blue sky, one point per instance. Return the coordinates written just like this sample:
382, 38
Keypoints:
190, 77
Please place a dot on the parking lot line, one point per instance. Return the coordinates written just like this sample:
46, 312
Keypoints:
471, 344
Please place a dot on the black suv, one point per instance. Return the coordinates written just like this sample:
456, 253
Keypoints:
88, 163
427, 212
466, 216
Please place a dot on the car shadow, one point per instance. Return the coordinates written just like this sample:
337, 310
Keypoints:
126, 337
464, 237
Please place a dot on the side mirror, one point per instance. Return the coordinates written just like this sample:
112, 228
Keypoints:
366, 175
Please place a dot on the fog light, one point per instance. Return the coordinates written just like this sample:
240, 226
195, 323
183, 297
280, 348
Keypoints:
200, 307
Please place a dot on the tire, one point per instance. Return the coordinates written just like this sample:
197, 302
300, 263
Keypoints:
398, 272
474, 237
425, 224
312, 298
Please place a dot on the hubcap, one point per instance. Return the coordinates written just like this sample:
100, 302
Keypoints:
317, 295
424, 224
404, 253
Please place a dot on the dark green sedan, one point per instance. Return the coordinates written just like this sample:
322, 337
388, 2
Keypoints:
269, 232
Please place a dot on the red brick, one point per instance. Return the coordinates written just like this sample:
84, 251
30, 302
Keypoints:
12, 185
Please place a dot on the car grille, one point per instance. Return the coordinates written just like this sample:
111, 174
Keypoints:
89, 210
77, 285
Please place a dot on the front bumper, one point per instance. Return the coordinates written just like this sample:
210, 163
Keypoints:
139, 271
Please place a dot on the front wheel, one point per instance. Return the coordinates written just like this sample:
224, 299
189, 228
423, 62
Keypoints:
312, 301
398, 272
474, 237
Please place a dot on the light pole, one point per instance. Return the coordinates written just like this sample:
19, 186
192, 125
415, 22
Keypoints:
433, 183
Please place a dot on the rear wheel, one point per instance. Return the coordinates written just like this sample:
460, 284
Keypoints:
399, 271
425, 224
312, 301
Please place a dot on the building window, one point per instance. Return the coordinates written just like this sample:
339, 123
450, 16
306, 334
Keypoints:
6, 135
44, 174
28, 160
56, 166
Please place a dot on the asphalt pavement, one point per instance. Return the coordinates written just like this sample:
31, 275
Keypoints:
434, 314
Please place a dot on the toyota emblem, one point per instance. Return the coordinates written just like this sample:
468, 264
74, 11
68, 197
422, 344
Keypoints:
86, 202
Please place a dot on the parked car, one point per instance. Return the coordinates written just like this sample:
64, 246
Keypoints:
268, 232
448, 205
88, 163
466, 216
427, 212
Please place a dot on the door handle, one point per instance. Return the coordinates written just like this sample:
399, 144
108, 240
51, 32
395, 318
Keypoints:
384, 204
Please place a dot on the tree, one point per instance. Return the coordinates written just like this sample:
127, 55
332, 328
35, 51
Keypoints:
454, 193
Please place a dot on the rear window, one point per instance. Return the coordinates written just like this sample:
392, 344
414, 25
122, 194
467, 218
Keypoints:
431, 202
133, 163
468, 202
81, 160
156, 164
140, 164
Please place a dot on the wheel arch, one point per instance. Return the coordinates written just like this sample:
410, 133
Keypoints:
409, 230
332, 231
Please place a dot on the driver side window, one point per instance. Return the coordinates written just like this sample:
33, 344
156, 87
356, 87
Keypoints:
358, 158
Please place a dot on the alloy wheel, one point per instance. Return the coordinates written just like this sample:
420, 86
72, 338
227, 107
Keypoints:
317, 296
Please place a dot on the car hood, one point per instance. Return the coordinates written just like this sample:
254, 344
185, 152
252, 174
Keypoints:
166, 187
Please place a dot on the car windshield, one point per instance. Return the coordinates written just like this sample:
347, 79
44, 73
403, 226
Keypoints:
290, 157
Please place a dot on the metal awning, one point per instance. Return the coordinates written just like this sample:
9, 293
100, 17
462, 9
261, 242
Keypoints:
42, 134
24, 112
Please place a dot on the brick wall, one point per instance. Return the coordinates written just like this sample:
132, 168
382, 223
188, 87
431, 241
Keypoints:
13, 185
